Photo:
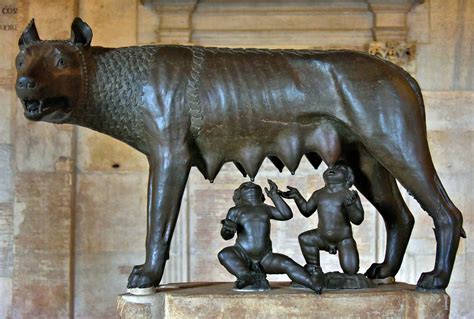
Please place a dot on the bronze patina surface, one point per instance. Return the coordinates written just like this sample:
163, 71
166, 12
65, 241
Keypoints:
187, 106
252, 256
337, 208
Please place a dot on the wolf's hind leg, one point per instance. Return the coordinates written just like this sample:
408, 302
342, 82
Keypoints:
381, 189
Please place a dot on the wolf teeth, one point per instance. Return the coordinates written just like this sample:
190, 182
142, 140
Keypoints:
33, 106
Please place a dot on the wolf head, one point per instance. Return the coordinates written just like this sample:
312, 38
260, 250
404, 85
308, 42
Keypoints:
52, 75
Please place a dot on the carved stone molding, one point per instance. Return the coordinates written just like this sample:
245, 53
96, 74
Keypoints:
400, 53
320, 24
390, 18
174, 20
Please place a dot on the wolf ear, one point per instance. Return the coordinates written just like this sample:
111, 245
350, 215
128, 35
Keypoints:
81, 33
30, 34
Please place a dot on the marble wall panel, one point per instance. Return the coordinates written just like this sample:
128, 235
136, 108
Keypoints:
446, 62
354, 39
42, 232
40, 147
100, 277
6, 103
6, 174
111, 212
452, 151
6, 240
100, 153
148, 23
462, 294
116, 20
110, 239
449, 110
5, 296
418, 21
8, 50
53, 18
285, 21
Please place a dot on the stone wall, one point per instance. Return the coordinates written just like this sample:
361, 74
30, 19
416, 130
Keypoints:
72, 202
8, 37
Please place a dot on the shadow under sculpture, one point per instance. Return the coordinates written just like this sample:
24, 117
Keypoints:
251, 258
337, 207
185, 106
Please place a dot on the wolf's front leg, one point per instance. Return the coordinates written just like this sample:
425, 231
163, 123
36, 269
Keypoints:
169, 170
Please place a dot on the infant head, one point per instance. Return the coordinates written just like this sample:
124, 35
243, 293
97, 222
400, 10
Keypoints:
339, 173
248, 191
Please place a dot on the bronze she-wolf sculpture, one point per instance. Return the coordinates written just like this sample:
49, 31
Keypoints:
187, 106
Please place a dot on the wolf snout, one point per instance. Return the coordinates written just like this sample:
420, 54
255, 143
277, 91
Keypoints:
25, 82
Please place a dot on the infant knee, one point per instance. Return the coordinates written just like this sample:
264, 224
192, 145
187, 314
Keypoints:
352, 270
305, 239
224, 254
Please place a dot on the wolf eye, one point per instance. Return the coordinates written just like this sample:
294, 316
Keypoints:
19, 63
60, 64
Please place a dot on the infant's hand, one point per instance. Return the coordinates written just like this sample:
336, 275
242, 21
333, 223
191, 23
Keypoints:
229, 228
229, 225
273, 189
292, 193
351, 198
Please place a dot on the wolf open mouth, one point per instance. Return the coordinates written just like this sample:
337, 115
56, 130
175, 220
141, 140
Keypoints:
36, 109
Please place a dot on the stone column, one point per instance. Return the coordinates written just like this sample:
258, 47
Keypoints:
43, 213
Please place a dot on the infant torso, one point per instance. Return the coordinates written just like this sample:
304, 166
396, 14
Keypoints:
254, 225
333, 221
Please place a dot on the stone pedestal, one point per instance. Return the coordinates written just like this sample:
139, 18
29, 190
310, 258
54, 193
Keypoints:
218, 300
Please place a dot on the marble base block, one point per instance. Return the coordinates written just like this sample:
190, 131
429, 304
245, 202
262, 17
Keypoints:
219, 300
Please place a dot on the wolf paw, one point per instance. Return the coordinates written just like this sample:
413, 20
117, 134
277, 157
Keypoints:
435, 279
142, 278
378, 271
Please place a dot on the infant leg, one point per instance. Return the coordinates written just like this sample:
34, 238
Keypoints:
281, 264
348, 256
234, 262
310, 243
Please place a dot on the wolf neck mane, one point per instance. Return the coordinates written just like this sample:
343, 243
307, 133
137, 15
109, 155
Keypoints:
114, 80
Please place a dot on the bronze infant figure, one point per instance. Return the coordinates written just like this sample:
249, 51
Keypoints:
185, 106
251, 258
337, 207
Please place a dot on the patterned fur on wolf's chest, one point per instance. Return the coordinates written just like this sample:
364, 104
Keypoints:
116, 92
